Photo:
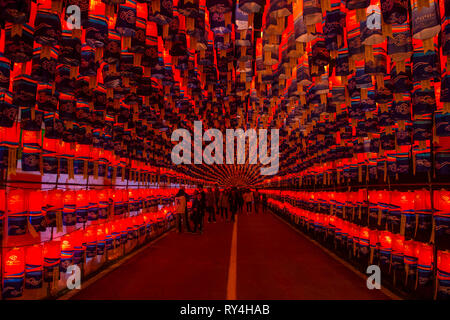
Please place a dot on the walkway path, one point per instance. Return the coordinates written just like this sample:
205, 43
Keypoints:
272, 261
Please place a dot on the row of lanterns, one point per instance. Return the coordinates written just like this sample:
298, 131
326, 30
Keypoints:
407, 263
30, 266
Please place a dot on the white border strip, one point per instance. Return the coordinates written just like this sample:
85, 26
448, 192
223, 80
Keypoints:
384, 290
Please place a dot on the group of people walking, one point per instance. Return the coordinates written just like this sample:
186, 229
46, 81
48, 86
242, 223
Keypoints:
215, 204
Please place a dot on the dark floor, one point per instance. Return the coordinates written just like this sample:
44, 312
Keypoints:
273, 262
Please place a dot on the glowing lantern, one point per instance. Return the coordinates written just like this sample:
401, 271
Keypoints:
67, 252
93, 207
34, 261
76, 241
17, 214
397, 251
133, 200
385, 248
2, 211
425, 264
422, 208
101, 240
35, 204
82, 205
364, 244
13, 273
55, 204
90, 241
31, 150
115, 233
52, 257
442, 219
373, 241
117, 197
109, 241
443, 275
103, 203
411, 254
69, 210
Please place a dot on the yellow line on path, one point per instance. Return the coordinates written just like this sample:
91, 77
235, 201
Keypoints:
231, 287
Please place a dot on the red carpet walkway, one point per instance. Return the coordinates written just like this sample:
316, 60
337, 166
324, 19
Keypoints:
273, 262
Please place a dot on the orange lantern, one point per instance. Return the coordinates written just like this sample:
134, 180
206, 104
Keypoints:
425, 264
442, 219
76, 241
17, 214
109, 241
82, 205
364, 244
385, 238
13, 273
422, 208
103, 203
67, 251
397, 251
411, 254
69, 210
101, 239
2, 211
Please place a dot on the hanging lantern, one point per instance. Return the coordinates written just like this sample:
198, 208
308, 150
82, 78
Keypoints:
31, 150
19, 45
411, 254
76, 241
422, 208
17, 214
442, 219
34, 262
52, 257
101, 240
397, 252
385, 239
13, 273
443, 275
69, 214
93, 207
35, 208
425, 265
103, 203
67, 252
